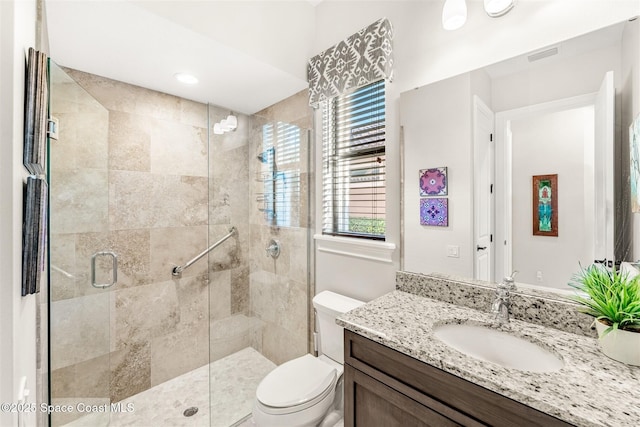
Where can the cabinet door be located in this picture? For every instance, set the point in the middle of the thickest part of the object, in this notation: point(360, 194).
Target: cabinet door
point(370, 403)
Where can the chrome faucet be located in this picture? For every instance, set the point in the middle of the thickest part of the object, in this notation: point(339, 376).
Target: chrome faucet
point(500, 305)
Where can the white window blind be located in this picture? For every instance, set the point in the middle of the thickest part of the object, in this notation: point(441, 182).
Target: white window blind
point(353, 172)
point(280, 174)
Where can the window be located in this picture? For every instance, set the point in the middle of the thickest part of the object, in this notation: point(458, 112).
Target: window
point(353, 171)
point(280, 174)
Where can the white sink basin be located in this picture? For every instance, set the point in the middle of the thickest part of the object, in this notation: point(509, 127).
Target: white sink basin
point(498, 347)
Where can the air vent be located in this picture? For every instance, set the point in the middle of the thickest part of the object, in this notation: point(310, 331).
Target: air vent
point(543, 54)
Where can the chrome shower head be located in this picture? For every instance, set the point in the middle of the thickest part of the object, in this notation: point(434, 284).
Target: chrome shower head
point(264, 156)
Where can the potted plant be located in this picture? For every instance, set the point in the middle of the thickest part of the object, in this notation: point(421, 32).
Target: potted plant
point(613, 298)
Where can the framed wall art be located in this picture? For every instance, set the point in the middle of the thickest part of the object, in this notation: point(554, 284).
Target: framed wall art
point(434, 211)
point(35, 112)
point(433, 182)
point(545, 205)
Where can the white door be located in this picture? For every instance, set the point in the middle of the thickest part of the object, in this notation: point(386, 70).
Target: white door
point(483, 149)
point(603, 171)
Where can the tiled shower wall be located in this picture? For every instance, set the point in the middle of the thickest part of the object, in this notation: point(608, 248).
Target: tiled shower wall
point(130, 175)
point(280, 289)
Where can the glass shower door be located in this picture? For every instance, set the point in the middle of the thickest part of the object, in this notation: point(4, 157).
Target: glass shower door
point(82, 263)
point(259, 300)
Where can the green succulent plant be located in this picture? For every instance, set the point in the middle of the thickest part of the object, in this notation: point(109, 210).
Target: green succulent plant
point(611, 296)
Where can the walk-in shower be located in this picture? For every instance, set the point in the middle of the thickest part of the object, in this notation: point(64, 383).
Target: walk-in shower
point(142, 175)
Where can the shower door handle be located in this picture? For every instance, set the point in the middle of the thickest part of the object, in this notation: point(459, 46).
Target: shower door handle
point(114, 262)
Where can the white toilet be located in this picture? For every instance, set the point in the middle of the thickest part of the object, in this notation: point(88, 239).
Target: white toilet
point(300, 392)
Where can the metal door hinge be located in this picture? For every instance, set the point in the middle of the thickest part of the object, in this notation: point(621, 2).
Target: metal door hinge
point(53, 125)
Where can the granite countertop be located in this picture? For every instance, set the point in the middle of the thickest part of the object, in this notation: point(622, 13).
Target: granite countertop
point(590, 390)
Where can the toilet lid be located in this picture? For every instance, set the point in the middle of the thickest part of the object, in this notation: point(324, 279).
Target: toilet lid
point(296, 382)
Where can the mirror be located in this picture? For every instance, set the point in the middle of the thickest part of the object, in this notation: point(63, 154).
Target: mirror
point(558, 114)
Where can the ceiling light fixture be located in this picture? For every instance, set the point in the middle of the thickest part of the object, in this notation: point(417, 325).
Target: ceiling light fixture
point(228, 124)
point(454, 14)
point(497, 8)
point(186, 78)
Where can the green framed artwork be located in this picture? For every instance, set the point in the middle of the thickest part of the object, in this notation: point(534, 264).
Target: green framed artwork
point(545, 205)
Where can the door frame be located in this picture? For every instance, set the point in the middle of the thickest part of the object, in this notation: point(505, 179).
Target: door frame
point(504, 233)
point(482, 112)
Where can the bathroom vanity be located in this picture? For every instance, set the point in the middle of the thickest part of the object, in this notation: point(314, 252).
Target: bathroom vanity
point(387, 388)
point(398, 373)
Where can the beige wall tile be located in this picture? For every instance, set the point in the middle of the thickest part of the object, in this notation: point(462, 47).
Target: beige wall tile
point(193, 298)
point(129, 142)
point(233, 333)
point(220, 294)
point(63, 265)
point(79, 323)
point(82, 141)
point(79, 200)
point(132, 248)
point(88, 379)
point(178, 149)
point(126, 98)
point(173, 246)
point(281, 345)
point(179, 352)
point(193, 113)
point(142, 200)
point(294, 110)
point(145, 312)
point(92, 139)
point(130, 370)
point(229, 189)
point(240, 290)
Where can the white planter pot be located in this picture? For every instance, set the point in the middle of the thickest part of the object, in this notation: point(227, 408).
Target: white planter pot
point(623, 346)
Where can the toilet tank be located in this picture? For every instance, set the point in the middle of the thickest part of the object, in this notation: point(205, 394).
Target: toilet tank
point(330, 305)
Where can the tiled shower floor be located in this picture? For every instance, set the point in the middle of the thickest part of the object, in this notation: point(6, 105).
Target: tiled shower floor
point(234, 380)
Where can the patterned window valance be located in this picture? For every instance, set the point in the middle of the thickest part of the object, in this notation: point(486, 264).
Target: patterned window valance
point(361, 59)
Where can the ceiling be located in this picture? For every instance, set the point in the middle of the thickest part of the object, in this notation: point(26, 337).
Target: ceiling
point(247, 55)
point(604, 37)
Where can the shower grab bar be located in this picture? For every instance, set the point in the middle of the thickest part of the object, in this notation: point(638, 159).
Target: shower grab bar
point(177, 271)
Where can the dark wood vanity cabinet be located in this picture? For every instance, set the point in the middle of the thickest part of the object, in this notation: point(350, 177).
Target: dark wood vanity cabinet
point(385, 388)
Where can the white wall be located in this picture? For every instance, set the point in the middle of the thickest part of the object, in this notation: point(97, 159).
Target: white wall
point(17, 314)
point(437, 132)
point(568, 77)
point(557, 143)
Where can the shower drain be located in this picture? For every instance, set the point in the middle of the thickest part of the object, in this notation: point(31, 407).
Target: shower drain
point(189, 412)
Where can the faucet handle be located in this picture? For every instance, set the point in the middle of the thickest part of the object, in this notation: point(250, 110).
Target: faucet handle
point(509, 282)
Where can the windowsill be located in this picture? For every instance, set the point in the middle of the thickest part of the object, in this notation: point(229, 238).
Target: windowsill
point(359, 248)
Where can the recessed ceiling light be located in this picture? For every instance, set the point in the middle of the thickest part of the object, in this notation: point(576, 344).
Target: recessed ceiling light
point(186, 78)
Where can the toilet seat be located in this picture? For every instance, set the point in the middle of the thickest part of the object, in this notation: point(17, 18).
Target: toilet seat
point(296, 385)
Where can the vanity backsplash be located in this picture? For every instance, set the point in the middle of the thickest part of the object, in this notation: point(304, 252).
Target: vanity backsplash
point(539, 307)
